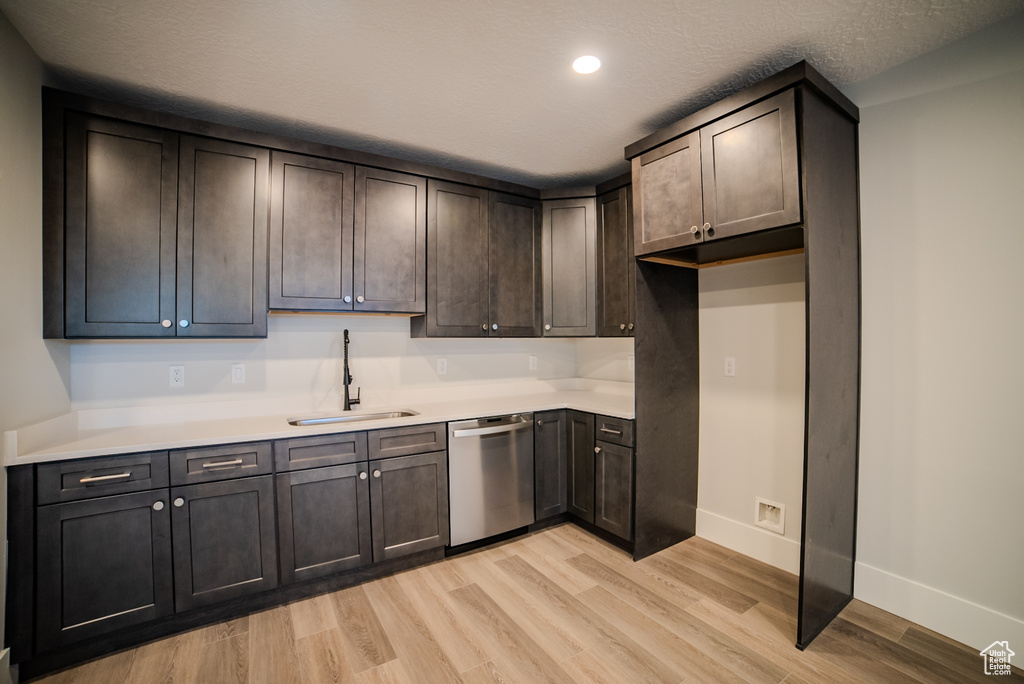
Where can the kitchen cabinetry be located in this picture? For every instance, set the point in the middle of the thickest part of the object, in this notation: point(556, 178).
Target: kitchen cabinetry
point(613, 489)
point(581, 465)
point(601, 472)
point(409, 504)
point(550, 458)
point(568, 245)
point(483, 274)
point(616, 267)
point(164, 234)
point(346, 238)
point(738, 174)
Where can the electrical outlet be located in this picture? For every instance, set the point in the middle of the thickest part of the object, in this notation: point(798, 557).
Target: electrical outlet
point(442, 366)
point(533, 362)
point(238, 373)
point(177, 376)
point(730, 367)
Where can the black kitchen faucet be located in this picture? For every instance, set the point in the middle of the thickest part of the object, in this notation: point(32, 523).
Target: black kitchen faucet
point(346, 378)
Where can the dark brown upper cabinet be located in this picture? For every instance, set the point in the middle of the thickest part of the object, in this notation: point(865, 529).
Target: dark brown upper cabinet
point(120, 226)
point(616, 267)
point(483, 273)
point(346, 238)
point(736, 175)
point(568, 245)
point(164, 234)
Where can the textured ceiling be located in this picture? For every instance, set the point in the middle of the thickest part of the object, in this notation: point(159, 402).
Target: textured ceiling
point(475, 85)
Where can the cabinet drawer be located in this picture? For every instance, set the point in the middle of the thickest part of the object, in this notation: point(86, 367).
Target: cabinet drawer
point(313, 452)
point(93, 477)
point(615, 430)
point(228, 462)
point(416, 439)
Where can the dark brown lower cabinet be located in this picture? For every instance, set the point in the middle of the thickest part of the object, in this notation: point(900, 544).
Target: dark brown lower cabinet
point(323, 521)
point(580, 456)
point(613, 489)
point(224, 540)
point(103, 564)
point(409, 504)
point(550, 456)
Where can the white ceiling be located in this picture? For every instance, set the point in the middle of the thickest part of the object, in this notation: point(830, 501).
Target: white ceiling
point(477, 85)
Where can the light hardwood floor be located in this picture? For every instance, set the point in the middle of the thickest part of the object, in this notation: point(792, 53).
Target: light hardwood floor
point(558, 605)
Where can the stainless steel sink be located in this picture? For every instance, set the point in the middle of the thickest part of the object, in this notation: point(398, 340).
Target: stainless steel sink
point(352, 417)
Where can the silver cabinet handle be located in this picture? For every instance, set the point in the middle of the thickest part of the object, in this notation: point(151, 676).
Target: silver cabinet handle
point(362, 476)
point(597, 450)
point(183, 323)
point(630, 326)
point(540, 422)
point(376, 473)
point(694, 229)
point(547, 326)
point(218, 464)
point(104, 478)
point(494, 326)
point(622, 326)
point(483, 327)
point(493, 430)
point(158, 506)
point(360, 299)
point(179, 502)
point(706, 226)
point(348, 299)
point(166, 323)
point(612, 432)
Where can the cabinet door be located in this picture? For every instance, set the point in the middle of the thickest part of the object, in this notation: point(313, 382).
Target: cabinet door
point(409, 504)
point(121, 202)
point(513, 261)
point(581, 465)
point(668, 212)
point(104, 564)
point(616, 267)
point(751, 169)
point(457, 250)
point(568, 244)
point(222, 238)
point(390, 252)
point(311, 233)
point(224, 540)
point(550, 453)
point(323, 521)
point(613, 489)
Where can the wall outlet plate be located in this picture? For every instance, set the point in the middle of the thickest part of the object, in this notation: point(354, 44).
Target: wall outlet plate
point(442, 366)
point(730, 367)
point(770, 515)
point(533, 362)
point(238, 373)
point(177, 376)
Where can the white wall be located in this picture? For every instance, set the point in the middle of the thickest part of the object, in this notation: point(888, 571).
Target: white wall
point(751, 424)
point(605, 358)
point(33, 373)
point(941, 517)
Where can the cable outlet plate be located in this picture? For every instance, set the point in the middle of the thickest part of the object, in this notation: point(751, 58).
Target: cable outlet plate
point(770, 515)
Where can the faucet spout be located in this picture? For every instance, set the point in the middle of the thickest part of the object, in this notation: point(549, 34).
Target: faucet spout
point(346, 378)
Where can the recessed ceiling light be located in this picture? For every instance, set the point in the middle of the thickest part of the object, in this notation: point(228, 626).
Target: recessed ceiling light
point(587, 64)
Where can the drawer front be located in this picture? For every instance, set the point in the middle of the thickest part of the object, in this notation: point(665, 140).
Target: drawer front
point(313, 452)
point(93, 477)
point(417, 439)
point(615, 430)
point(209, 464)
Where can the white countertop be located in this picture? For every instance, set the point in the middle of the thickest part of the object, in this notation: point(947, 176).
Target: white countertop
point(77, 435)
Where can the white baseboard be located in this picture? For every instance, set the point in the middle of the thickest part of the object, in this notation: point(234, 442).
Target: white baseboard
point(755, 542)
point(952, 616)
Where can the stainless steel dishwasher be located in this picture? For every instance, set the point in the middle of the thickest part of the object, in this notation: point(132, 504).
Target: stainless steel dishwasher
point(490, 476)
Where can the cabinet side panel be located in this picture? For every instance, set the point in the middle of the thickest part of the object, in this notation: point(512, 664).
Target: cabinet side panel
point(832, 234)
point(667, 406)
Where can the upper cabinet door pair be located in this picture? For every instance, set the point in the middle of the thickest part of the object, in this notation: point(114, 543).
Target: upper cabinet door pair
point(346, 238)
point(737, 175)
point(165, 233)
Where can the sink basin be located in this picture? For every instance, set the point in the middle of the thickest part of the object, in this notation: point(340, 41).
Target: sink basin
point(351, 417)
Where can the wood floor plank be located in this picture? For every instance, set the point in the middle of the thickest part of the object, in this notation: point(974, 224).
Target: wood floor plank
point(408, 633)
point(663, 602)
point(368, 644)
point(391, 672)
point(273, 658)
point(459, 642)
point(764, 587)
point(566, 576)
point(169, 661)
point(111, 668)
point(227, 629)
point(529, 661)
point(957, 657)
point(324, 658)
point(715, 553)
point(882, 623)
point(619, 647)
point(225, 661)
point(701, 583)
point(312, 615)
point(846, 654)
point(491, 672)
point(593, 667)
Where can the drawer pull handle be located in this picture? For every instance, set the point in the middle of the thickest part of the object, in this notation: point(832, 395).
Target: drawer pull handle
point(612, 432)
point(104, 478)
point(218, 464)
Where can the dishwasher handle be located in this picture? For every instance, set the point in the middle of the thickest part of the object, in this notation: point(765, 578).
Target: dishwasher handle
point(494, 430)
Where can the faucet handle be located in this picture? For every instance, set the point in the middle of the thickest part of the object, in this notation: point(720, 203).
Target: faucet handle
point(355, 401)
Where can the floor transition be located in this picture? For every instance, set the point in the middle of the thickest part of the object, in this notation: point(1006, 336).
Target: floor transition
point(555, 606)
